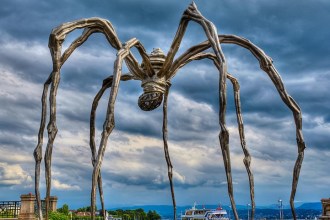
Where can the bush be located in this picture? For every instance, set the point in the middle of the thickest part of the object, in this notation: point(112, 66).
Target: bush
point(57, 216)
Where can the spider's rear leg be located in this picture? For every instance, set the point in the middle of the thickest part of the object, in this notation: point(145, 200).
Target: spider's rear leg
point(38, 150)
point(266, 65)
point(106, 84)
point(92, 142)
point(196, 54)
point(55, 49)
point(167, 154)
point(55, 46)
point(109, 123)
point(247, 157)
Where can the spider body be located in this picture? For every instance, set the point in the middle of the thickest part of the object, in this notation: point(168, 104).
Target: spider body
point(153, 86)
point(155, 73)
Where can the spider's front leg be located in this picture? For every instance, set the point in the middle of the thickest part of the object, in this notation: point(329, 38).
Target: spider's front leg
point(58, 35)
point(94, 25)
point(192, 14)
point(266, 64)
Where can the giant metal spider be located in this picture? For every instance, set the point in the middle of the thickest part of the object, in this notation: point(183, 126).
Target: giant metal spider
point(155, 74)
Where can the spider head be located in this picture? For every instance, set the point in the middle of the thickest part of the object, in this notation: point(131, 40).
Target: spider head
point(154, 86)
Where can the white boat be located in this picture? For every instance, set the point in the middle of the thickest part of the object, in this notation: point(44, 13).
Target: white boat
point(204, 214)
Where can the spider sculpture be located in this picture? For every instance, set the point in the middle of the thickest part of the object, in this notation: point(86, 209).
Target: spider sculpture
point(155, 73)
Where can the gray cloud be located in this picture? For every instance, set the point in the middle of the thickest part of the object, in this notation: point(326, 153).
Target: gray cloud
point(292, 33)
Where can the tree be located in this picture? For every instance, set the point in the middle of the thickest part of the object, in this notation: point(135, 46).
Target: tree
point(64, 209)
point(126, 217)
point(138, 214)
point(153, 215)
point(85, 209)
point(111, 212)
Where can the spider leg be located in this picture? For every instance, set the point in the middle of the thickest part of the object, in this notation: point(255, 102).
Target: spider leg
point(109, 123)
point(106, 84)
point(38, 150)
point(130, 60)
point(236, 88)
point(266, 64)
point(92, 141)
point(94, 25)
point(247, 156)
point(167, 154)
point(51, 127)
point(193, 14)
point(56, 39)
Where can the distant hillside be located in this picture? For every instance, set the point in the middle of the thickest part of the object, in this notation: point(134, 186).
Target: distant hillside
point(166, 211)
point(311, 206)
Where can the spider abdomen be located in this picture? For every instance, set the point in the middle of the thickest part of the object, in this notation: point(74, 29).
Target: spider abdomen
point(150, 100)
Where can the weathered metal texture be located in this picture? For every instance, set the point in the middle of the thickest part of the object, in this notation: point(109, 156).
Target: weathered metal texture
point(155, 74)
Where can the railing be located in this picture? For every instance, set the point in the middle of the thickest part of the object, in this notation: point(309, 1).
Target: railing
point(43, 208)
point(10, 209)
point(24, 209)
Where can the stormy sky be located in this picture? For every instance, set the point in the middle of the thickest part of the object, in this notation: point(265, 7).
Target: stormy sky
point(294, 33)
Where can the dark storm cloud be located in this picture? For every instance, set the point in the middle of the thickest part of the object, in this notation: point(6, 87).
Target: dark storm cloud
point(263, 24)
point(318, 140)
point(313, 94)
point(76, 172)
point(203, 82)
point(13, 141)
point(124, 16)
point(265, 13)
point(149, 181)
point(153, 172)
point(26, 59)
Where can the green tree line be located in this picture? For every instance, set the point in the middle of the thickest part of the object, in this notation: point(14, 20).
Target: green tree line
point(137, 214)
point(63, 213)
